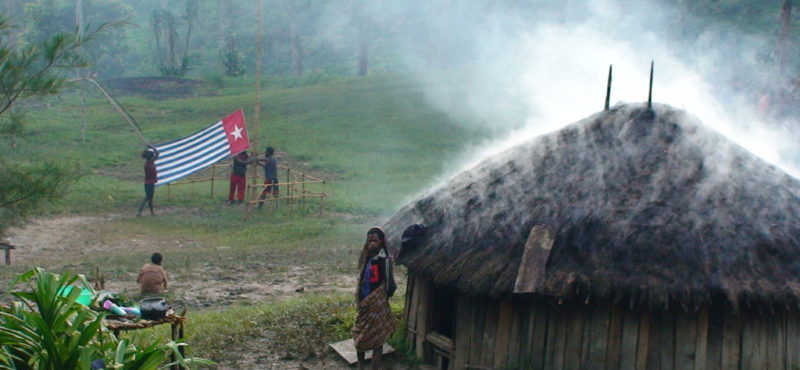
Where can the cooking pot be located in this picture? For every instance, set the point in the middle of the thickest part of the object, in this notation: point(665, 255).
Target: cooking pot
point(153, 308)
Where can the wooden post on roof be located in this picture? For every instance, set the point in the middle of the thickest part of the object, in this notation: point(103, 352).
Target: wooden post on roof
point(650, 91)
point(608, 88)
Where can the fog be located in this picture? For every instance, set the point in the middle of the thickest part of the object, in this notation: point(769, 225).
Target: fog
point(521, 71)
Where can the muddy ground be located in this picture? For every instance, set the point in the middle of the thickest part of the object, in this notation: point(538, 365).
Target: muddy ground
point(67, 242)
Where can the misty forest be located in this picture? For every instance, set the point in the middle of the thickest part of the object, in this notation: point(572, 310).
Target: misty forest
point(413, 184)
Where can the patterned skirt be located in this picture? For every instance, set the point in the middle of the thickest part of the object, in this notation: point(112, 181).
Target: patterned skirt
point(374, 322)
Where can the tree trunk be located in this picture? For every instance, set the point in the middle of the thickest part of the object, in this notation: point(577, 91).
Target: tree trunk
point(79, 17)
point(363, 40)
point(786, 21)
point(297, 55)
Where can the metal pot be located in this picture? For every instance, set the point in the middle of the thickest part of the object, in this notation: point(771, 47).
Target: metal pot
point(153, 308)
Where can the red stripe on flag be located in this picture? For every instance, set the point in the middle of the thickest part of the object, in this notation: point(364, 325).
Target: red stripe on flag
point(236, 132)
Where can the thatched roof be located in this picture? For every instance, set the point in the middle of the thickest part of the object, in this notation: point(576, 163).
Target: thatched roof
point(627, 206)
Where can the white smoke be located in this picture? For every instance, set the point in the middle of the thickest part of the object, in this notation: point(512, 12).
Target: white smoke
point(529, 77)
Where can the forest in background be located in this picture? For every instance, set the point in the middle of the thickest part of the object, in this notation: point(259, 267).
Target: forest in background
point(212, 38)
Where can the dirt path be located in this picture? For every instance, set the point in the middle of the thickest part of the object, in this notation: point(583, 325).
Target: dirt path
point(66, 241)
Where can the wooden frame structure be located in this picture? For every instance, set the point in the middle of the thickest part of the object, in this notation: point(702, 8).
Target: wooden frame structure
point(534, 332)
point(296, 188)
point(7, 251)
point(176, 323)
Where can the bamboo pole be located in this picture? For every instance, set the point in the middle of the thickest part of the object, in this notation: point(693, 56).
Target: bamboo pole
point(213, 167)
point(257, 105)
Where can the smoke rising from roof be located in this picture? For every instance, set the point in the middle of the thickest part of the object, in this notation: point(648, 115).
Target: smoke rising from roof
point(527, 68)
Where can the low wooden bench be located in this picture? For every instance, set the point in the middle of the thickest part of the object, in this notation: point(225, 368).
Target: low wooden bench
point(7, 249)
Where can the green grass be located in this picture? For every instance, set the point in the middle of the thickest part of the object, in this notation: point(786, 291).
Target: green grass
point(299, 328)
point(375, 139)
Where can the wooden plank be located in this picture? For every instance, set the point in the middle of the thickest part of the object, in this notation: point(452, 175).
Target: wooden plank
point(716, 319)
point(463, 331)
point(562, 322)
point(574, 343)
point(685, 339)
point(413, 312)
point(601, 320)
point(528, 310)
point(409, 297)
point(752, 344)
point(476, 339)
point(731, 341)
point(423, 306)
point(503, 335)
point(490, 332)
point(792, 342)
point(586, 338)
point(666, 337)
point(701, 341)
point(775, 350)
point(614, 352)
point(539, 337)
point(630, 336)
point(515, 337)
point(643, 343)
point(441, 343)
point(550, 340)
point(536, 252)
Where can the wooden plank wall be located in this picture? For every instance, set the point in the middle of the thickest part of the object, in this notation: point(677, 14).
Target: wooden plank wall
point(533, 334)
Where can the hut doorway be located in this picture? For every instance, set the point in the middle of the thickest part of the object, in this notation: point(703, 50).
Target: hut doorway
point(442, 326)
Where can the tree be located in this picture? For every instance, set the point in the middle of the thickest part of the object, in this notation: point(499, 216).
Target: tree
point(362, 34)
point(45, 18)
point(167, 40)
point(229, 55)
point(28, 72)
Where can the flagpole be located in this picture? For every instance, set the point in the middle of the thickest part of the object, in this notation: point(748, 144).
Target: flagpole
point(257, 107)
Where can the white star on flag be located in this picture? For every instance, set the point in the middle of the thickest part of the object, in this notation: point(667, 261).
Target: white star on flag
point(237, 132)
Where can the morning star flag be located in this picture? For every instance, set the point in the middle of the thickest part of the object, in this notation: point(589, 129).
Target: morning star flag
point(183, 157)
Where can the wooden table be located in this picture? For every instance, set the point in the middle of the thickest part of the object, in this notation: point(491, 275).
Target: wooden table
point(116, 325)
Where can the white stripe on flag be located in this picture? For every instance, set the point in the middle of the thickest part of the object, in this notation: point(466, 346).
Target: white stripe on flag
point(183, 157)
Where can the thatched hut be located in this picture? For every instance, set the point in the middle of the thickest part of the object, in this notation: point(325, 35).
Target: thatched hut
point(631, 239)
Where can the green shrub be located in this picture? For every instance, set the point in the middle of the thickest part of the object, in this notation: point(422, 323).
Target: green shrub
point(44, 330)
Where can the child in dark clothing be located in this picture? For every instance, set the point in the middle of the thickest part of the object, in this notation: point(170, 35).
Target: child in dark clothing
point(150, 178)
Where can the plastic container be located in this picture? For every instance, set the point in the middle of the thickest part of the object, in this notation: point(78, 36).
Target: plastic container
point(108, 305)
point(85, 297)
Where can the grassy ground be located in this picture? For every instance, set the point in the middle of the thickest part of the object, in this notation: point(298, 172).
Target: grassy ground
point(375, 139)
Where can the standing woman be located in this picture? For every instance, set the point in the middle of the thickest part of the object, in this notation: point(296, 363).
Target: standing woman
point(374, 322)
point(150, 177)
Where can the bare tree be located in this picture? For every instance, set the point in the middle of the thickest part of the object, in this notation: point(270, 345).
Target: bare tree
point(362, 35)
point(294, 35)
point(783, 40)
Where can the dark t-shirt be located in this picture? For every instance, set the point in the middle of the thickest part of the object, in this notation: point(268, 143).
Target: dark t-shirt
point(240, 165)
point(150, 174)
point(271, 169)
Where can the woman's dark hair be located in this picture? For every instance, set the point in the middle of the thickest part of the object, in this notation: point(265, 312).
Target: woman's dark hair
point(148, 154)
point(377, 231)
point(270, 151)
point(156, 258)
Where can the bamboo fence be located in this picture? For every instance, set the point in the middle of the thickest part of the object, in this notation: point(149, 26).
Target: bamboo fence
point(297, 189)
